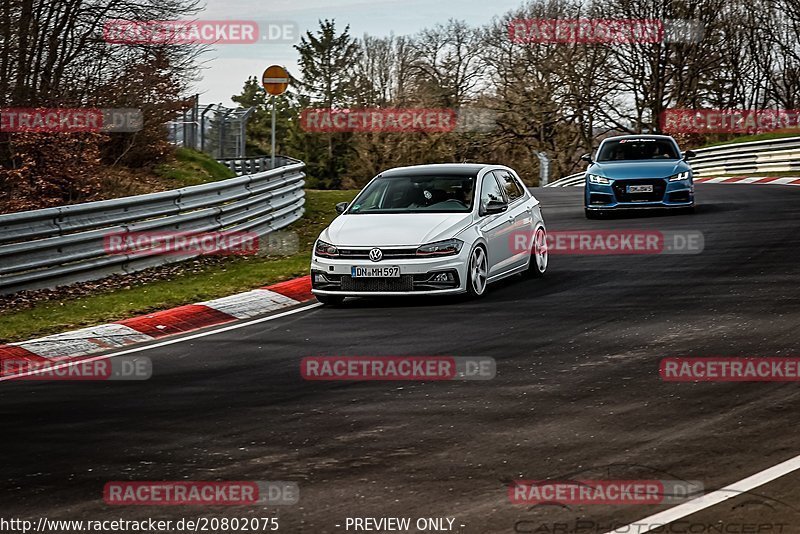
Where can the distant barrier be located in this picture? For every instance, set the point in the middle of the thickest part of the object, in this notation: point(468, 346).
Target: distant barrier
point(63, 245)
point(254, 165)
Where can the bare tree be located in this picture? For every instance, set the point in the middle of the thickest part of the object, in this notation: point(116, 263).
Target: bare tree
point(447, 65)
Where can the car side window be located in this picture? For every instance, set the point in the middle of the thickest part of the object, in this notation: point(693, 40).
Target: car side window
point(490, 190)
point(510, 185)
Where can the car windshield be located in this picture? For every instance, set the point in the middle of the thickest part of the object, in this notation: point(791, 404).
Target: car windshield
point(412, 194)
point(637, 149)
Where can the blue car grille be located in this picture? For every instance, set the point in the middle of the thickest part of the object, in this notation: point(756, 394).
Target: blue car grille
point(620, 188)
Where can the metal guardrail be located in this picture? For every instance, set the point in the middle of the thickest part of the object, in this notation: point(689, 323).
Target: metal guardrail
point(772, 155)
point(63, 245)
point(253, 165)
point(568, 181)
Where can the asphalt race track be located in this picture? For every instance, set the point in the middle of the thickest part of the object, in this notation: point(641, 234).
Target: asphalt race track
point(577, 393)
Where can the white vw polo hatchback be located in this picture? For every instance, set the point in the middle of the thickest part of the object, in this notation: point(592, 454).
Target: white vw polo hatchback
point(430, 229)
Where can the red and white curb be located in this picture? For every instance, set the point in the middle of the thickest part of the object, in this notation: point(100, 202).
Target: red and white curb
point(182, 319)
point(758, 180)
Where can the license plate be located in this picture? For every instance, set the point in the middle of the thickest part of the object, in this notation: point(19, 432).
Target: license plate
point(385, 271)
point(640, 189)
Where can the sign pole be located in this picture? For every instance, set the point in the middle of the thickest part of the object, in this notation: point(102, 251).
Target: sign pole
point(544, 168)
point(273, 132)
point(275, 80)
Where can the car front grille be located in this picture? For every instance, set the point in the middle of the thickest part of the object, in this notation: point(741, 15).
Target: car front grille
point(404, 282)
point(620, 190)
point(388, 253)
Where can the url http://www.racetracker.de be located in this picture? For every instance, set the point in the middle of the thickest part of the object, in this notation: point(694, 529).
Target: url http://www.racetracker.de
point(143, 526)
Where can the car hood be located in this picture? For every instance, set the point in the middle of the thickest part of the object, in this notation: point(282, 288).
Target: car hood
point(390, 229)
point(621, 170)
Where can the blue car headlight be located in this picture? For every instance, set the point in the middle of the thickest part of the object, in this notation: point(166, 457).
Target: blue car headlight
point(680, 176)
point(601, 180)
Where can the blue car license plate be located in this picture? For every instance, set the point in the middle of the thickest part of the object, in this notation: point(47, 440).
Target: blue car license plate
point(640, 189)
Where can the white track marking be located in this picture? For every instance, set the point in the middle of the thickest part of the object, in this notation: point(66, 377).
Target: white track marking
point(84, 341)
point(785, 180)
point(251, 303)
point(648, 524)
point(164, 343)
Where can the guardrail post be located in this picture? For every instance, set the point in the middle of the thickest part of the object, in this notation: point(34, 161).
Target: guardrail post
point(243, 133)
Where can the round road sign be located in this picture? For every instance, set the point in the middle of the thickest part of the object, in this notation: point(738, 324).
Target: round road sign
point(275, 80)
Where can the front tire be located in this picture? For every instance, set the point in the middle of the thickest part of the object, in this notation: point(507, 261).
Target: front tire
point(330, 300)
point(477, 272)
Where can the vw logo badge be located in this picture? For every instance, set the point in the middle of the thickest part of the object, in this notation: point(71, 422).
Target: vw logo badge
point(375, 254)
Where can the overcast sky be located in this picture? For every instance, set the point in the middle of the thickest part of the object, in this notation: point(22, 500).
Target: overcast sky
point(228, 66)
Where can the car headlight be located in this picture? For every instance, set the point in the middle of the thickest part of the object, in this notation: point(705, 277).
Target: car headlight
point(326, 250)
point(448, 247)
point(595, 179)
point(680, 176)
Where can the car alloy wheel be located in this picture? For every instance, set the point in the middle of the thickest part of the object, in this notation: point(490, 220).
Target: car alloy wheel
point(540, 255)
point(478, 270)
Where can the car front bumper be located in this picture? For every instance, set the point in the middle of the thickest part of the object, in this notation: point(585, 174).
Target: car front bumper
point(418, 276)
point(666, 194)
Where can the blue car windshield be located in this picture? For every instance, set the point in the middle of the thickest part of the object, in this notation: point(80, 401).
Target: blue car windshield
point(637, 149)
point(412, 194)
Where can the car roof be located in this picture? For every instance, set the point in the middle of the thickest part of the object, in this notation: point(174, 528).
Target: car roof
point(639, 136)
point(453, 169)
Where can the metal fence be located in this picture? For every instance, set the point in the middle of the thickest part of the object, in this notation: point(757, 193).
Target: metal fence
point(772, 155)
point(212, 128)
point(56, 246)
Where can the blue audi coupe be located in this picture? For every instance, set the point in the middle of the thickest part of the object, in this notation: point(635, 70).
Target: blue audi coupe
point(638, 172)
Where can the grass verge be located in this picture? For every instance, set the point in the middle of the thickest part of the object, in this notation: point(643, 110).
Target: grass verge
point(190, 167)
point(232, 276)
